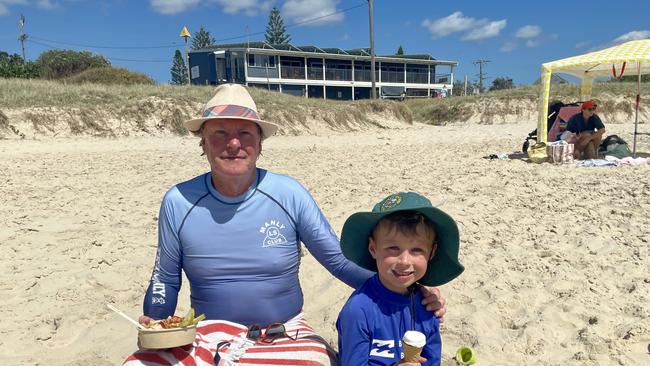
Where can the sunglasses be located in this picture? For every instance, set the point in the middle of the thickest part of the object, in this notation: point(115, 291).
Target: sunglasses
point(270, 333)
point(591, 109)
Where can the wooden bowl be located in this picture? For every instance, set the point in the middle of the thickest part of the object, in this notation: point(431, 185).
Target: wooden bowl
point(166, 338)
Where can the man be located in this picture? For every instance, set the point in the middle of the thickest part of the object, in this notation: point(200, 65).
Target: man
point(236, 233)
point(588, 130)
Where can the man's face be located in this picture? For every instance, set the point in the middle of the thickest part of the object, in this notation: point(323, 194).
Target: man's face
point(232, 146)
point(588, 112)
point(401, 259)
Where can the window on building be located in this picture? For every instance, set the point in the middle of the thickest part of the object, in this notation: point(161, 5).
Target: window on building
point(261, 60)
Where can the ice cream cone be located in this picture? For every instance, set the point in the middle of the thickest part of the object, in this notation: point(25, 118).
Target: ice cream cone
point(411, 354)
point(412, 343)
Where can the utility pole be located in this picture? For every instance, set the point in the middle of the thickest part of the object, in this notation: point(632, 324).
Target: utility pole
point(481, 76)
point(186, 34)
point(373, 91)
point(465, 91)
point(23, 36)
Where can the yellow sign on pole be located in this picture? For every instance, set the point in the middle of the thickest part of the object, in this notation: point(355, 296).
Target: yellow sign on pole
point(185, 33)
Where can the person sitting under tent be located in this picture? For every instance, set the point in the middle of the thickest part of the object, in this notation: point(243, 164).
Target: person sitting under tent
point(588, 130)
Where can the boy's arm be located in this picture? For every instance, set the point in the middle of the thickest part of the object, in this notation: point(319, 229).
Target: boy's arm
point(354, 336)
point(433, 348)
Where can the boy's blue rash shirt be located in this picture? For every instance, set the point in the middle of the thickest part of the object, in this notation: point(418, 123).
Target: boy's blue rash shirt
point(241, 255)
point(373, 321)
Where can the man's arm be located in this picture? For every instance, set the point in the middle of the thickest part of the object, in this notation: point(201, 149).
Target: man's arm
point(162, 294)
point(318, 236)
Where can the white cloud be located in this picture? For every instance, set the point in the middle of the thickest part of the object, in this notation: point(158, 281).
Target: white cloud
point(583, 44)
point(45, 4)
point(345, 37)
point(632, 36)
point(248, 7)
point(170, 7)
point(528, 31)
point(489, 30)
point(456, 22)
point(317, 10)
point(532, 43)
point(5, 4)
point(508, 47)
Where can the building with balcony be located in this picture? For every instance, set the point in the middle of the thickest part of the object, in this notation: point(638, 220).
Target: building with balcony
point(314, 72)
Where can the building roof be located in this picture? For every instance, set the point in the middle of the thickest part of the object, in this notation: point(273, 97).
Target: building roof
point(314, 49)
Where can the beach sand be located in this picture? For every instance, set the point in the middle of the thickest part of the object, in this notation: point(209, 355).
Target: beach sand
point(557, 265)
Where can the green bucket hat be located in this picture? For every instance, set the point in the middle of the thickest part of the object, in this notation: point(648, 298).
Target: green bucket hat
point(442, 268)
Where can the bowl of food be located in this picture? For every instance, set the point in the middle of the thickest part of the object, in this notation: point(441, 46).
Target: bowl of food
point(172, 332)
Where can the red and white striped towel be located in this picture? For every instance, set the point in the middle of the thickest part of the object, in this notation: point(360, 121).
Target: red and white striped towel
point(308, 350)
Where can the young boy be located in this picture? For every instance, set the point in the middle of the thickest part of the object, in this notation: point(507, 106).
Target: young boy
point(407, 242)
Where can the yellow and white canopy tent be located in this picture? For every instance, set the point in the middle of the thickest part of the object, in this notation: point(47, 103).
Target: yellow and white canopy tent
point(633, 57)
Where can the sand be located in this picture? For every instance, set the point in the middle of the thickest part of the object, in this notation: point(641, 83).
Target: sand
point(558, 271)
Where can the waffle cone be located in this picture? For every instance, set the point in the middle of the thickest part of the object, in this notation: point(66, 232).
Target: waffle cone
point(411, 354)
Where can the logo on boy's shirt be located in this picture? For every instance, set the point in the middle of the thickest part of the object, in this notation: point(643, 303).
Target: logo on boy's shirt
point(273, 235)
point(382, 348)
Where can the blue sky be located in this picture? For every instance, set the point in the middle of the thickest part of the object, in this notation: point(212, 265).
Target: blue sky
point(516, 36)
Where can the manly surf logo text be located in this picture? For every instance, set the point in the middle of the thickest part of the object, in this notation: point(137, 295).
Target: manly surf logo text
point(273, 234)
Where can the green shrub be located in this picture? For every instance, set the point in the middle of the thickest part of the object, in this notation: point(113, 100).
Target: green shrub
point(58, 64)
point(110, 76)
point(13, 66)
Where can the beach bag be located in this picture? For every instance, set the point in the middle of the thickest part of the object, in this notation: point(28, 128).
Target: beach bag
point(560, 153)
point(614, 146)
point(537, 153)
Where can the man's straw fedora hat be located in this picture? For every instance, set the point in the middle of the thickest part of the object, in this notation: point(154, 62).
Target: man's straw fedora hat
point(231, 101)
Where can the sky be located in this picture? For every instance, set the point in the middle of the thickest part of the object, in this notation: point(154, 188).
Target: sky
point(516, 37)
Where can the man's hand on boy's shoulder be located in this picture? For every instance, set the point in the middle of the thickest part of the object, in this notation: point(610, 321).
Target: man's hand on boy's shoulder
point(433, 301)
point(404, 363)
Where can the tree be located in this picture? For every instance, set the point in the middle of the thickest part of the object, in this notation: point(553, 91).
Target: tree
point(400, 51)
point(179, 71)
point(502, 83)
point(276, 33)
point(459, 88)
point(58, 64)
point(13, 66)
point(202, 39)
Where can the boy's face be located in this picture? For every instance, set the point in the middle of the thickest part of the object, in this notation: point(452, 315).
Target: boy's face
point(401, 259)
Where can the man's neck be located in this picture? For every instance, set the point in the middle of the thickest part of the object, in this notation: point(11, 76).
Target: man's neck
point(233, 186)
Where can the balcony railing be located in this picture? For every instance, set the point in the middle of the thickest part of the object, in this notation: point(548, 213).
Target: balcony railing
point(416, 78)
point(315, 73)
point(364, 75)
point(338, 74)
point(440, 78)
point(292, 72)
point(392, 76)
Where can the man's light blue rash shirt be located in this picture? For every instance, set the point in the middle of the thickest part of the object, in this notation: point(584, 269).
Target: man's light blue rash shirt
point(241, 254)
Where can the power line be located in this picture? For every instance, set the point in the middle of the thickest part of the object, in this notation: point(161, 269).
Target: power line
point(109, 58)
point(107, 47)
point(310, 20)
point(176, 45)
point(36, 39)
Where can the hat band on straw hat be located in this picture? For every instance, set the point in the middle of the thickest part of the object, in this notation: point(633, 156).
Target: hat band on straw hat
point(230, 110)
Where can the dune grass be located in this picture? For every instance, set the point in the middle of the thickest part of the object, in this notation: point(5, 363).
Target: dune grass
point(446, 110)
point(89, 102)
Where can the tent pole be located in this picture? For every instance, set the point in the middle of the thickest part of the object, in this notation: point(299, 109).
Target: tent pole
point(638, 100)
